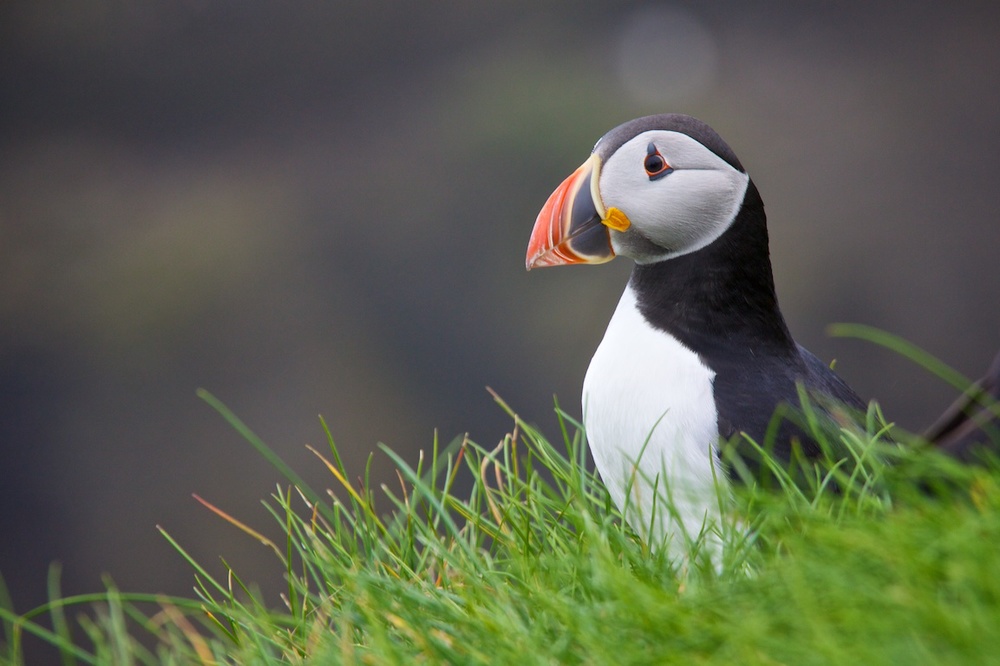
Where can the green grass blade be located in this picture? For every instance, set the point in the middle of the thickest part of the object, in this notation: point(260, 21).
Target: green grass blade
point(904, 348)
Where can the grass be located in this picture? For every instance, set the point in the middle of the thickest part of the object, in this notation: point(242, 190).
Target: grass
point(534, 565)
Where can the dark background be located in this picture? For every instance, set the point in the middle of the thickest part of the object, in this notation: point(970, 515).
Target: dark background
point(322, 208)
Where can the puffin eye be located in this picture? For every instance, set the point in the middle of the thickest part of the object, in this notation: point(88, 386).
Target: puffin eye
point(655, 165)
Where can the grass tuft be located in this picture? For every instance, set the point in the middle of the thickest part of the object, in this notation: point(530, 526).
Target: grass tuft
point(879, 553)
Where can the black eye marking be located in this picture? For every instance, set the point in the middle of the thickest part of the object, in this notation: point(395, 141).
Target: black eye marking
point(655, 165)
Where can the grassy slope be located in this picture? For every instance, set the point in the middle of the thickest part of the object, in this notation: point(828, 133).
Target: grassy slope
point(535, 566)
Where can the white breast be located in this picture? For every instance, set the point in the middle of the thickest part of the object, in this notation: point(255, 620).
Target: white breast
point(651, 421)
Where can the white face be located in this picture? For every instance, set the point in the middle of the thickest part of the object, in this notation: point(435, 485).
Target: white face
point(673, 213)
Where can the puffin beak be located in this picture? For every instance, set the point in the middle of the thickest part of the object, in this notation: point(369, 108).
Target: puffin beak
point(573, 226)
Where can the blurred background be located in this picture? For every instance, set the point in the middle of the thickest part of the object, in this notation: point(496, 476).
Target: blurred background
point(322, 208)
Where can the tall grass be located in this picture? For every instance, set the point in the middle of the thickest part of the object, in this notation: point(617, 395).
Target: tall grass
point(880, 554)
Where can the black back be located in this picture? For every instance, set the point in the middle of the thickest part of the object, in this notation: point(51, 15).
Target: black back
point(720, 302)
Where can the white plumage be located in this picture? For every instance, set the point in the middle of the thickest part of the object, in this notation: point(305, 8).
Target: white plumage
point(647, 399)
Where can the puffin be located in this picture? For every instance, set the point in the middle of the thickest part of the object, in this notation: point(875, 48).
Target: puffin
point(697, 352)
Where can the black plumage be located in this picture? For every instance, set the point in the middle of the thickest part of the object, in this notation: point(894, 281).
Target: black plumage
point(720, 302)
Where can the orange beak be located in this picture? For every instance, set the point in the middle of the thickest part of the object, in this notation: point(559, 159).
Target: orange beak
point(573, 226)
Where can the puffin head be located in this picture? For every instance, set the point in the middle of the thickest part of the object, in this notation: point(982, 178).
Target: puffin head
point(653, 188)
